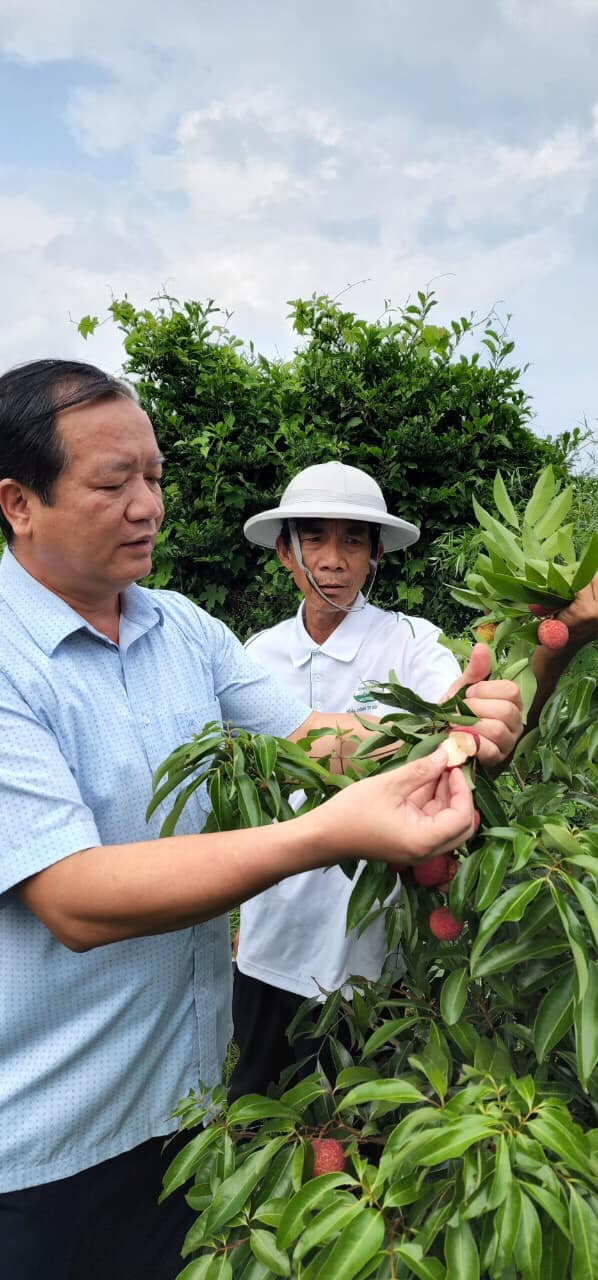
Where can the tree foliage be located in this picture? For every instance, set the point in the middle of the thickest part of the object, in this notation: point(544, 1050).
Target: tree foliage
point(398, 397)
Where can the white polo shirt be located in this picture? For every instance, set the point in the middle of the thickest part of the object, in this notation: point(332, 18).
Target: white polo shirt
point(293, 935)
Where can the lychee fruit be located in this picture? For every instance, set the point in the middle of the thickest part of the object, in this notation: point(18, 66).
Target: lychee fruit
point(460, 745)
point(486, 632)
point(329, 1156)
point(540, 610)
point(444, 926)
point(451, 871)
point(431, 871)
point(553, 634)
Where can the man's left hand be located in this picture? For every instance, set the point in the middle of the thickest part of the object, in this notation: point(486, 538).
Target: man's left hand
point(498, 705)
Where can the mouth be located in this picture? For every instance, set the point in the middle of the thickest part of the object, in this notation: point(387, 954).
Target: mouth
point(333, 587)
point(140, 544)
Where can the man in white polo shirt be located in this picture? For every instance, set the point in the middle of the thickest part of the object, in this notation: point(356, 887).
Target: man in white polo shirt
point(329, 531)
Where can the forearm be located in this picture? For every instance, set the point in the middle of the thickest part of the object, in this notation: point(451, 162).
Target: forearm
point(114, 892)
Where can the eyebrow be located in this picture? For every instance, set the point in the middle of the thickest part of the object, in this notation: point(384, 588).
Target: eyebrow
point(127, 464)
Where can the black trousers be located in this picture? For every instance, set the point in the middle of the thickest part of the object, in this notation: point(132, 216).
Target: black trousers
point(102, 1224)
point(261, 1015)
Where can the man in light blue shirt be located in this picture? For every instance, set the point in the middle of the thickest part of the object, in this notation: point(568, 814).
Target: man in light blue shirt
point(114, 954)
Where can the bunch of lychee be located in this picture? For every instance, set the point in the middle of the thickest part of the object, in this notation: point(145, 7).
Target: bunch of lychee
point(552, 633)
point(437, 871)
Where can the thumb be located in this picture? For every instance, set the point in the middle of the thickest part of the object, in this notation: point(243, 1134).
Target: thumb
point(478, 667)
point(410, 777)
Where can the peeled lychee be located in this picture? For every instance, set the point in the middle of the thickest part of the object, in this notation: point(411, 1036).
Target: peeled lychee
point(540, 610)
point(486, 631)
point(431, 871)
point(460, 745)
point(444, 926)
point(329, 1156)
point(553, 634)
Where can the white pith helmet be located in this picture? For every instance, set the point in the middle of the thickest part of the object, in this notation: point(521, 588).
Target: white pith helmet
point(331, 491)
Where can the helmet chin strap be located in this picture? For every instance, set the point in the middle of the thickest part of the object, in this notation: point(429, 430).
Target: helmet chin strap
point(342, 608)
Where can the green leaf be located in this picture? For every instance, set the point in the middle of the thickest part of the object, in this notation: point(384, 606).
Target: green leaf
point(188, 1160)
point(555, 514)
point(554, 1016)
point(249, 804)
point(454, 995)
point(264, 1248)
point(363, 896)
point(423, 1268)
point(452, 1140)
point(587, 566)
point(528, 1244)
point(495, 535)
point(586, 1028)
point(562, 1136)
point(488, 802)
point(510, 906)
point(503, 502)
point(359, 1241)
point(493, 868)
point(461, 1253)
point(233, 1193)
point(310, 1195)
point(327, 1224)
point(388, 1030)
point(551, 1205)
point(253, 1106)
point(588, 904)
point(396, 1092)
point(506, 1225)
point(584, 1234)
point(196, 1270)
point(264, 750)
point(541, 497)
point(220, 1268)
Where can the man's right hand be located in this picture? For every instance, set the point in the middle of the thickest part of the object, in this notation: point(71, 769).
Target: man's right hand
point(400, 816)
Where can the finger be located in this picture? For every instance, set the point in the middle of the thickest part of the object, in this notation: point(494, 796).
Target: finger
point(453, 824)
point(491, 710)
point(477, 668)
point(499, 690)
point(421, 773)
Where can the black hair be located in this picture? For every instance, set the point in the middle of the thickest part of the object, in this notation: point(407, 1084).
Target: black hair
point(374, 531)
point(31, 397)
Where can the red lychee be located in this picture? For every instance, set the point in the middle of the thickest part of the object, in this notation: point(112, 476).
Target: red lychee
point(452, 868)
point(431, 871)
point(553, 634)
point(460, 745)
point(329, 1156)
point(444, 926)
point(540, 610)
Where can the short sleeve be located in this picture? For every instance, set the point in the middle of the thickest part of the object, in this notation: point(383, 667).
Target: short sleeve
point(432, 668)
point(249, 695)
point(43, 817)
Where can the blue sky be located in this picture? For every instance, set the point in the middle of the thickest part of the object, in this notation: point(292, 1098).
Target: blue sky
point(254, 153)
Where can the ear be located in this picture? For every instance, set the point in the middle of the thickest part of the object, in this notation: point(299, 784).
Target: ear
point(15, 504)
point(285, 555)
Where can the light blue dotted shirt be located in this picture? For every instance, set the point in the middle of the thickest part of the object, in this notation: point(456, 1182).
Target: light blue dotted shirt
point(96, 1049)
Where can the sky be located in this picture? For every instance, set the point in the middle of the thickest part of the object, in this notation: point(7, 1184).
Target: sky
point(254, 153)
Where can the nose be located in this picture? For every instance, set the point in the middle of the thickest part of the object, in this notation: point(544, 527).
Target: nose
point(332, 553)
point(145, 502)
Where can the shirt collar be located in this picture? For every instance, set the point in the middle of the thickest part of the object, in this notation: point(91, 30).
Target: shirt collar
point(49, 619)
point(344, 642)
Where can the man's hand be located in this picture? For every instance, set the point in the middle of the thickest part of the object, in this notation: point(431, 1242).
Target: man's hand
point(581, 616)
point(498, 705)
point(399, 816)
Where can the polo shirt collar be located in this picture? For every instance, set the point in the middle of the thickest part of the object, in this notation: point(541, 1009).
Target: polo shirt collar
point(49, 619)
point(343, 644)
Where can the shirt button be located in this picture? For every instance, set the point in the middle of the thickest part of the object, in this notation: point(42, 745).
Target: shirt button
point(145, 720)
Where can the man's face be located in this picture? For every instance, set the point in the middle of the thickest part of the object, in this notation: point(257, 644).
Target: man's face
point(337, 554)
point(98, 535)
